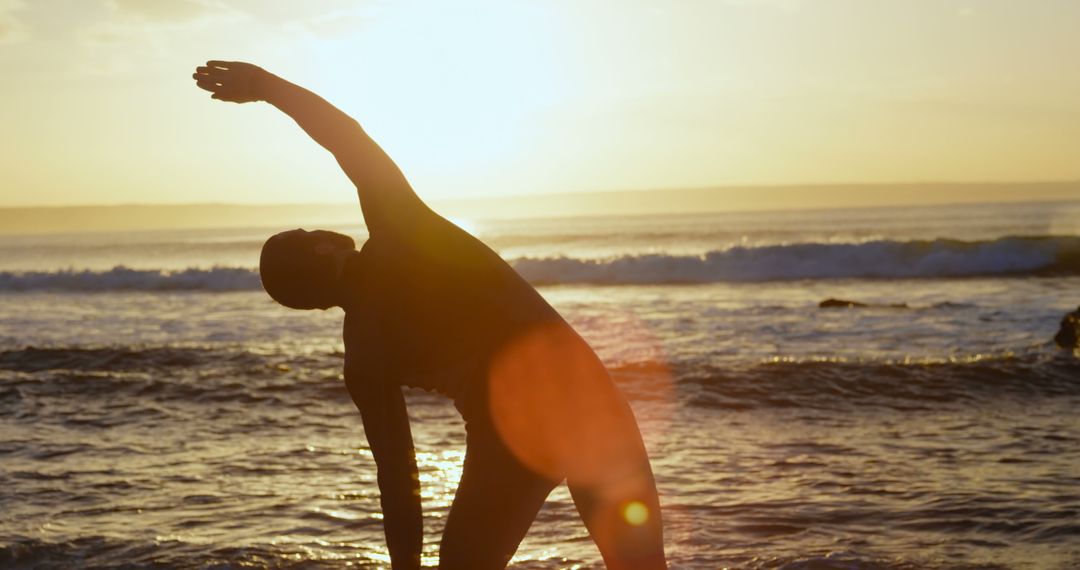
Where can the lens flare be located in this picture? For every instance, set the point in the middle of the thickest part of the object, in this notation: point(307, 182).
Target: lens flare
point(636, 513)
point(557, 410)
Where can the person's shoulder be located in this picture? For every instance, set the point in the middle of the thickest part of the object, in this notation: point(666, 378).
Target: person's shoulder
point(382, 253)
point(372, 251)
point(366, 268)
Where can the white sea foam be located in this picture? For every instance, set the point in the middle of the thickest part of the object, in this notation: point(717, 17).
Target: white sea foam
point(882, 259)
point(122, 278)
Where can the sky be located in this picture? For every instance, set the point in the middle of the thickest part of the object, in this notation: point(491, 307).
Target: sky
point(478, 98)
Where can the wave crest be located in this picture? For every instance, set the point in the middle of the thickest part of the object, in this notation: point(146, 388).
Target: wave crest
point(882, 259)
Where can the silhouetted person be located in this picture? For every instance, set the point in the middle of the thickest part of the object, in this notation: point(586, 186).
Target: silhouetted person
point(428, 305)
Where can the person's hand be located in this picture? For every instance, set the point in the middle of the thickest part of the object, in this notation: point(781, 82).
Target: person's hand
point(233, 81)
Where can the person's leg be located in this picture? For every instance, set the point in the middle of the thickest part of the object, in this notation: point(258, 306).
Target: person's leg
point(622, 514)
point(495, 504)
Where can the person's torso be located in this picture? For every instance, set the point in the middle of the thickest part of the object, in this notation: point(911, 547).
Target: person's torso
point(441, 307)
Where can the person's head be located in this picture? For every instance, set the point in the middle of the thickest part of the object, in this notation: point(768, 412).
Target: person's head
point(302, 269)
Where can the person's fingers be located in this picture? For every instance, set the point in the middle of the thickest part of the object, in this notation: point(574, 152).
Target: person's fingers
point(220, 64)
point(212, 71)
point(207, 78)
point(208, 85)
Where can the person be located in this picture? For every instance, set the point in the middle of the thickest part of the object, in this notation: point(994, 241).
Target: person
point(427, 305)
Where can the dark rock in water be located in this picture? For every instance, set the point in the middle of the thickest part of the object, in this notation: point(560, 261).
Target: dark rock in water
point(840, 304)
point(1068, 336)
point(831, 303)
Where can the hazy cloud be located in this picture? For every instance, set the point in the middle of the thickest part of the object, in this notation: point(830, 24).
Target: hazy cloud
point(138, 32)
point(163, 10)
point(327, 18)
point(334, 23)
point(143, 21)
point(783, 5)
point(12, 28)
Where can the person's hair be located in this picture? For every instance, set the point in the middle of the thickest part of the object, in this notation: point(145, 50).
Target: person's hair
point(295, 274)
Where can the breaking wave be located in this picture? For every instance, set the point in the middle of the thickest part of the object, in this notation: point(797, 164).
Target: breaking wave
point(122, 278)
point(882, 259)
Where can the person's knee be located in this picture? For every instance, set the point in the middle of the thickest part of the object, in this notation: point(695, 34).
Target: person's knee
point(624, 519)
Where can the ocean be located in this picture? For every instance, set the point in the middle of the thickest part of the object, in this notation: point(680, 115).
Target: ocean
point(158, 410)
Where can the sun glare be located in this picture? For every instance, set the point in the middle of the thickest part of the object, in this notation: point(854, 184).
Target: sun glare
point(448, 88)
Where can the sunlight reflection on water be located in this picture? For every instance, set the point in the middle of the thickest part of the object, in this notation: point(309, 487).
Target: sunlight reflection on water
point(440, 472)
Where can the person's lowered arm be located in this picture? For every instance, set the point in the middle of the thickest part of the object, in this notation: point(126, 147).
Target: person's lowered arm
point(386, 426)
point(386, 198)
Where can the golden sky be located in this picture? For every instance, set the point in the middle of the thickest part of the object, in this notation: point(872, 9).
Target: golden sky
point(497, 97)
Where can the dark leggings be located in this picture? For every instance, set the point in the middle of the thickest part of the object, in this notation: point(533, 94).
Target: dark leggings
point(498, 498)
point(496, 502)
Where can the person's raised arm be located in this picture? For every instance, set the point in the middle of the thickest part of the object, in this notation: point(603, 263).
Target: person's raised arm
point(386, 198)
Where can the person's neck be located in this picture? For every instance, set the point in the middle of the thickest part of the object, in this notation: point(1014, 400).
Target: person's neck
point(340, 258)
point(341, 261)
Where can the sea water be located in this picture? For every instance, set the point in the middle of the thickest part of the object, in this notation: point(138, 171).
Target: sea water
point(157, 409)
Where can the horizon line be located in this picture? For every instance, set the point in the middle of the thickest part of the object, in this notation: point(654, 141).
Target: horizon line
point(766, 186)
